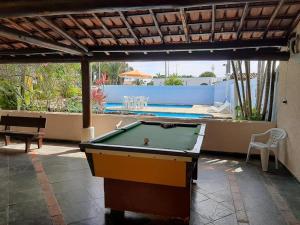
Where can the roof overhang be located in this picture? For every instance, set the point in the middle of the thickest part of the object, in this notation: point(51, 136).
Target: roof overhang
point(73, 30)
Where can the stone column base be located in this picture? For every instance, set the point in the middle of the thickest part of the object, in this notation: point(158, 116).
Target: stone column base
point(87, 134)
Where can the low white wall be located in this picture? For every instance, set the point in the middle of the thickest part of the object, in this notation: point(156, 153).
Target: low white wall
point(221, 135)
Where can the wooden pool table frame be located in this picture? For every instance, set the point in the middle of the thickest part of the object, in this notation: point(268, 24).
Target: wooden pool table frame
point(149, 194)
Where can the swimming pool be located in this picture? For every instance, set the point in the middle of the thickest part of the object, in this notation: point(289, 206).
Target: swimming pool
point(150, 105)
point(164, 114)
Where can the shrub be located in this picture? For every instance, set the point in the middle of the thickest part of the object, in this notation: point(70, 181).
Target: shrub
point(98, 99)
point(8, 96)
point(207, 74)
point(173, 80)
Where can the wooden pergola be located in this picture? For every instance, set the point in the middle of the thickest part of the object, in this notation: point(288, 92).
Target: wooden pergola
point(91, 30)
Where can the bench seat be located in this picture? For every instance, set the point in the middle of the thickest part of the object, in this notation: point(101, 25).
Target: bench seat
point(27, 136)
point(22, 133)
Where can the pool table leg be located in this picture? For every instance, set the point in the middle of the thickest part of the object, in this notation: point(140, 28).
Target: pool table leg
point(195, 170)
point(186, 221)
point(117, 215)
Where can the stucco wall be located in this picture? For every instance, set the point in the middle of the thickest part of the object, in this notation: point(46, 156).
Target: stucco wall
point(288, 115)
point(179, 95)
point(221, 135)
point(222, 91)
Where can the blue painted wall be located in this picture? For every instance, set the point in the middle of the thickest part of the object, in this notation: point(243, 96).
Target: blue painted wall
point(222, 91)
point(180, 95)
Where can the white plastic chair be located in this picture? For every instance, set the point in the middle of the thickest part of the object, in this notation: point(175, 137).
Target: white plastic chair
point(126, 102)
point(139, 102)
point(275, 136)
point(135, 102)
point(131, 102)
point(146, 99)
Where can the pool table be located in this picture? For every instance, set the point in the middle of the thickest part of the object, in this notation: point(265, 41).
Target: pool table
point(147, 167)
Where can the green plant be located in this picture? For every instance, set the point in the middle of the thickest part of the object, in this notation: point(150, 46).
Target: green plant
point(73, 105)
point(173, 80)
point(207, 74)
point(112, 69)
point(8, 96)
point(72, 91)
point(98, 99)
point(255, 115)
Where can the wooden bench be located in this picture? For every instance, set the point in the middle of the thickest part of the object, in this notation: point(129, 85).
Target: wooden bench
point(27, 136)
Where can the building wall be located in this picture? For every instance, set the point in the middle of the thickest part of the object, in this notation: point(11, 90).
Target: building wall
point(222, 91)
point(288, 115)
point(179, 95)
point(221, 135)
point(189, 81)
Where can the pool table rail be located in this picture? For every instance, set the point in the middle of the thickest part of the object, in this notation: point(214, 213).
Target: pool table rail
point(194, 153)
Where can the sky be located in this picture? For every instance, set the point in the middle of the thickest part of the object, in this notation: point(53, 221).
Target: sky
point(194, 68)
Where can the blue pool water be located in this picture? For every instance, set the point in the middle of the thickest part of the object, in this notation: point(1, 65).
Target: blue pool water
point(150, 105)
point(166, 114)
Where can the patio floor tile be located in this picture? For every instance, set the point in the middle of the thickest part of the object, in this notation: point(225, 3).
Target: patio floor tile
point(227, 192)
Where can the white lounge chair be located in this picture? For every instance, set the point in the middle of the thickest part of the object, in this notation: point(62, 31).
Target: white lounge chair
point(225, 108)
point(275, 136)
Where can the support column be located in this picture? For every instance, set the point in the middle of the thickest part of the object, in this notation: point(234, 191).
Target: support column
point(87, 129)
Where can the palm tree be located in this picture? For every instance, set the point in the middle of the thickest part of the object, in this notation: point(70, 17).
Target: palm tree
point(242, 85)
point(267, 90)
point(237, 88)
point(248, 86)
point(113, 69)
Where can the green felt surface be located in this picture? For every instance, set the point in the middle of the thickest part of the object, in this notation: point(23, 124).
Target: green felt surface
point(179, 138)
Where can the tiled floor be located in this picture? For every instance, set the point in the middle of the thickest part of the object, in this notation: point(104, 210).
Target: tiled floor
point(228, 191)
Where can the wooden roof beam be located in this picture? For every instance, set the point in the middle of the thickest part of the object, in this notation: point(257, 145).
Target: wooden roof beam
point(244, 15)
point(243, 54)
point(17, 26)
point(24, 37)
point(37, 29)
point(62, 33)
point(213, 19)
point(156, 25)
point(184, 25)
point(99, 20)
point(271, 54)
point(205, 46)
point(30, 52)
point(11, 45)
point(253, 18)
point(273, 17)
point(32, 8)
point(82, 29)
point(294, 24)
point(128, 26)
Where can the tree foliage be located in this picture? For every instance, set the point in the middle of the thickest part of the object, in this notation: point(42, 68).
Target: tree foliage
point(112, 69)
point(51, 86)
point(207, 74)
point(37, 86)
point(173, 80)
point(266, 77)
